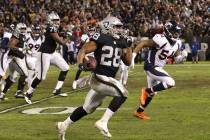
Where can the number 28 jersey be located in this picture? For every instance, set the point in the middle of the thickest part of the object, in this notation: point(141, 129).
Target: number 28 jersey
point(108, 53)
point(158, 56)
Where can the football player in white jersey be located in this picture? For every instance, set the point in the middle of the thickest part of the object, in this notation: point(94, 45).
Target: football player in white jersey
point(4, 50)
point(16, 44)
point(32, 44)
point(161, 46)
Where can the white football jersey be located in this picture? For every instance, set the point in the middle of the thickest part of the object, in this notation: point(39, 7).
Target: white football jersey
point(158, 56)
point(32, 44)
point(7, 35)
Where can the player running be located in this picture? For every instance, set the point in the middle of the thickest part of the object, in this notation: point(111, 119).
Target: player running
point(48, 55)
point(108, 49)
point(161, 46)
point(16, 44)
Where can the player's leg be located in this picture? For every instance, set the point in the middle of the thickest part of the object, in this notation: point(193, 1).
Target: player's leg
point(58, 61)
point(21, 68)
point(92, 101)
point(74, 84)
point(140, 111)
point(10, 80)
point(166, 82)
point(3, 67)
point(31, 65)
point(42, 65)
point(111, 87)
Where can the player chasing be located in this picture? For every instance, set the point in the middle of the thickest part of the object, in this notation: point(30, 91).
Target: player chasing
point(109, 49)
point(15, 51)
point(47, 56)
point(25, 67)
point(161, 47)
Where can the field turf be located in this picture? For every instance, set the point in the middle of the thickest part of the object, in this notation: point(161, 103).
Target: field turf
point(180, 113)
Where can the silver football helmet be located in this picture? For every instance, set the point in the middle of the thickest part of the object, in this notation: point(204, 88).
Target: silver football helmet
point(111, 25)
point(53, 19)
point(21, 28)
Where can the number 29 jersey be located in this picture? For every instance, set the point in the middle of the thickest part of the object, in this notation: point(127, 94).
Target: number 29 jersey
point(158, 56)
point(108, 53)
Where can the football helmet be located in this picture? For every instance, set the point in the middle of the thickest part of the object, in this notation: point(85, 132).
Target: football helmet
point(111, 25)
point(172, 30)
point(91, 30)
point(36, 31)
point(21, 28)
point(28, 30)
point(53, 20)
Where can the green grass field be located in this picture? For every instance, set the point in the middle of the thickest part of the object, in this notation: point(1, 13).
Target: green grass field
point(180, 113)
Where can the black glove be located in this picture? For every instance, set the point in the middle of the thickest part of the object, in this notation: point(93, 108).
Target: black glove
point(83, 66)
point(16, 53)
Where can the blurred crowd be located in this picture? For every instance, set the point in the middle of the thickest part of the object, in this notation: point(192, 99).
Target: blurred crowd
point(138, 15)
point(141, 17)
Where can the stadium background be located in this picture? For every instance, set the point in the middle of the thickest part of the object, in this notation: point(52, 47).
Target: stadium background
point(141, 17)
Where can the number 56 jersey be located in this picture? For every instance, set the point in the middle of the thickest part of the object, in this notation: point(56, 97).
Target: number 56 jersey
point(158, 56)
point(108, 53)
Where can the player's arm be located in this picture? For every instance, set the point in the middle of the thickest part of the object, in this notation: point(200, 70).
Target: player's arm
point(13, 47)
point(144, 43)
point(127, 56)
point(140, 46)
point(58, 39)
point(13, 43)
point(87, 48)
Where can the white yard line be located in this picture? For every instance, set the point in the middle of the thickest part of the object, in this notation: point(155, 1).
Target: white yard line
point(38, 101)
point(179, 65)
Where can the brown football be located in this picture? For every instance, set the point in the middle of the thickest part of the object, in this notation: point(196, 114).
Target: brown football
point(91, 61)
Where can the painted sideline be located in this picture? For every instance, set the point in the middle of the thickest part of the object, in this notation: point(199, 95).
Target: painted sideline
point(38, 101)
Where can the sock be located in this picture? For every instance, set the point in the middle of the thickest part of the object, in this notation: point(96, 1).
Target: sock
point(116, 103)
point(68, 121)
point(30, 90)
point(21, 83)
point(59, 84)
point(78, 74)
point(62, 75)
point(9, 83)
point(35, 82)
point(125, 77)
point(158, 87)
point(78, 114)
point(142, 107)
point(107, 115)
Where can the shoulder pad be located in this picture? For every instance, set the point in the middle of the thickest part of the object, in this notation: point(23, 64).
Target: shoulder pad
point(7, 35)
point(159, 39)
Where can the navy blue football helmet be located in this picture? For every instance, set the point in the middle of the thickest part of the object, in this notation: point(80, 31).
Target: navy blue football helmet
point(172, 30)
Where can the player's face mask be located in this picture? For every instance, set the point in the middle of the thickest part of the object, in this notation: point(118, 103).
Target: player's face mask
point(117, 31)
point(172, 30)
point(56, 23)
point(36, 34)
